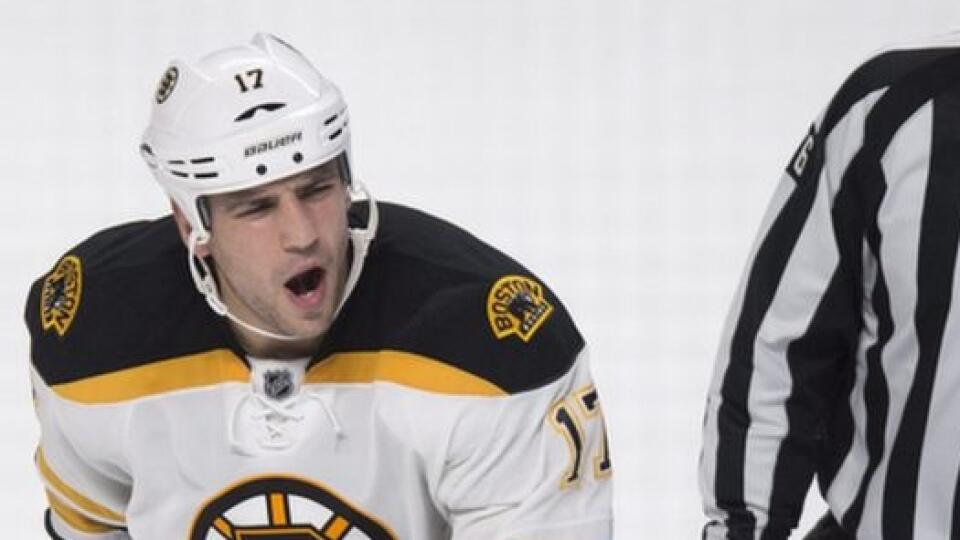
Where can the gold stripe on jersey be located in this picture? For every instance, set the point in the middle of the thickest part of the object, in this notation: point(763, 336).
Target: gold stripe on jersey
point(222, 365)
point(403, 368)
point(73, 496)
point(204, 369)
point(75, 519)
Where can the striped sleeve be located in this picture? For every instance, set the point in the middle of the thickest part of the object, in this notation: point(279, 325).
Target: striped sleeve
point(86, 495)
point(63, 522)
point(812, 310)
point(785, 342)
point(72, 515)
point(789, 342)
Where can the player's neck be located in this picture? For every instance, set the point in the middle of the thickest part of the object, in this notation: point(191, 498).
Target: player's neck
point(265, 347)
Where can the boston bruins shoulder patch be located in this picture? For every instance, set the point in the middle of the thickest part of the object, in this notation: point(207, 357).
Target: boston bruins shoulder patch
point(60, 296)
point(516, 305)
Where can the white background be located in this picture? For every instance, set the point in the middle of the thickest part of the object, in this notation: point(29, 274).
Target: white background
point(623, 150)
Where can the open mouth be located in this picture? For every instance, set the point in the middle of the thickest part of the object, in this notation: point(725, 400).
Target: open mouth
point(305, 282)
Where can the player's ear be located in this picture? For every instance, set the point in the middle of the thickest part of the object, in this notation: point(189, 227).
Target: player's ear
point(202, 250)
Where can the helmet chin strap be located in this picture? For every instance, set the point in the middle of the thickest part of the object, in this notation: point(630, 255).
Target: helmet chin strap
point(359, 238)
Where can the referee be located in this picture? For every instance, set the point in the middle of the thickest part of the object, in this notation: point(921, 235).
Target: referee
point(841, 356)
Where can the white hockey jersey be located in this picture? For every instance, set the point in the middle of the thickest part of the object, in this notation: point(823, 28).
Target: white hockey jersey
point(451, 399)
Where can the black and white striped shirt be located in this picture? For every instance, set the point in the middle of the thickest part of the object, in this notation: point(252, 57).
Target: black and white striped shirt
point(841, 355)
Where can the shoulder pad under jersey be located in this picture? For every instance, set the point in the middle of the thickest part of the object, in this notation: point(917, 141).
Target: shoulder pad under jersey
point(433, 296)
point(121, 298)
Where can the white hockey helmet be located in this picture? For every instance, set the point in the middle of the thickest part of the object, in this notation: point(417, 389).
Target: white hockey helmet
point(239, 118)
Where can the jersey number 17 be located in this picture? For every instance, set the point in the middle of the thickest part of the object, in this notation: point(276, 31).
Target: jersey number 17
point(568, 417)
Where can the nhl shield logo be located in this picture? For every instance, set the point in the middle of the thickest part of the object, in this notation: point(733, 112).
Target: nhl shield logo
point(60, 295)
point(516, 305)
point(278, 383)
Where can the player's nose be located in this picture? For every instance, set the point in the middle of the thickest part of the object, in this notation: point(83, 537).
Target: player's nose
point(296, 227)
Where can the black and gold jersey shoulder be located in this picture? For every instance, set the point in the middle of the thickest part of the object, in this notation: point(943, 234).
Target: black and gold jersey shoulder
point(431, 289)
point(120, 299)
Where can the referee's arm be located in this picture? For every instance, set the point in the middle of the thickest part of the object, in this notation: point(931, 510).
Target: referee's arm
point(788, 345)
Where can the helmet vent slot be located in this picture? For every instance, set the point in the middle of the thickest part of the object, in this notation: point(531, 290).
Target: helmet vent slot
point(331, 120)
point(148, 155)
point(335, 134)
point(181, 168)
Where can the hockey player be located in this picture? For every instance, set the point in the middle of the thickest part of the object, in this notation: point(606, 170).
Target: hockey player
point(348, 370)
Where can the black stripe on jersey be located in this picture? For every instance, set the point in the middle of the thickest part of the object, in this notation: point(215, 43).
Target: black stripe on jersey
point(875, 74)
point(820, 359)
point(899, 103)
point(947, 111)
point(825, 356)
point(939, 233)
point(876, 391)
point(855, 215)
point(48, 525)
point(765, 275)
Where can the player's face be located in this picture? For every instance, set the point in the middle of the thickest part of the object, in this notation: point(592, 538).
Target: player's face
point(281, 257)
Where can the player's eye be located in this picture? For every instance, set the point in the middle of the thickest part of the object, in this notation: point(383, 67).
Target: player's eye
point(253, 208)
point(315, 189)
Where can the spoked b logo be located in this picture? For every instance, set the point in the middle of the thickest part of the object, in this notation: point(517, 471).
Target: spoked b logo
point(282, 507)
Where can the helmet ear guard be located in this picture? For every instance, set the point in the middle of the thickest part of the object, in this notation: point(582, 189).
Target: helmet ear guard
point(203, 211)
point(343, 167)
